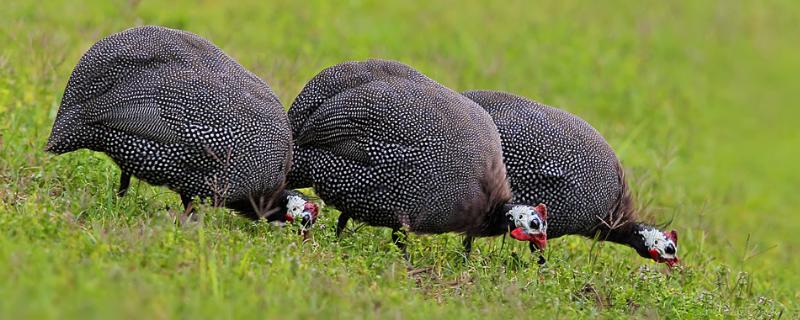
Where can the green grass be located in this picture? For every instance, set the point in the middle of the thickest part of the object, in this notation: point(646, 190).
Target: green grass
point(697, 97)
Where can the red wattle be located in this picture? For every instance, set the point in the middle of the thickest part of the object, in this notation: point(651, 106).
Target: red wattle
point(520, 235)
point(672, 262)
point(311, 207)
point(540, 241)
point(654, 254)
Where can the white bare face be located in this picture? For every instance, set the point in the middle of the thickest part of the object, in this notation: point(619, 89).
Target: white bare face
point(658, 241)
point(528, 219)
point(295, 208)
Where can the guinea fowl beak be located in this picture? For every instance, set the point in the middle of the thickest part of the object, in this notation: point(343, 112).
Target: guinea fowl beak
point(305, 225)
point(672, 262)
point(669, 261)
point(538, 239)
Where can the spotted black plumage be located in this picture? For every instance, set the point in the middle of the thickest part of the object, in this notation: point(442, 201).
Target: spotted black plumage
point(388, 146)
point(556, 158)
point(172, 109)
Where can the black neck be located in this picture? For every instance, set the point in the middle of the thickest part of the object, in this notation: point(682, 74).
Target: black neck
point(498, 222)
point(273, 211)
point(627, 234)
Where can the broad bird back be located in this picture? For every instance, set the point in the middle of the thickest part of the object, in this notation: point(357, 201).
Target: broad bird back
point(171, 108)
point(556, 158)
point(391, 147)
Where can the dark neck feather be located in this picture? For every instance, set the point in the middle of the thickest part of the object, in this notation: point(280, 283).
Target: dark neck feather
point(270, 207)
point(497, 223)
point(620, 225)
point(628, 235)
point(484, 214)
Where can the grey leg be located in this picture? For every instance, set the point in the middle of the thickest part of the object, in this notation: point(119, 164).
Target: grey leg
point(187, 204)
point(534, 251)
point(400, 243)
point(467, 245)
point(124, 183)
point(341, 223)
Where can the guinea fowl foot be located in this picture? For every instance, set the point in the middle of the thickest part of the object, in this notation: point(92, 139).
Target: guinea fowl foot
point(188, 210)
point(399, 237)
point(467, 242)
point(341, 224)
point(535, 251)
point(124, 183)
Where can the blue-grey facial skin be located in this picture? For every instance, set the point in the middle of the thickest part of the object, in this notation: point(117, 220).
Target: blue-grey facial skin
point(301, 210)
point(529, 224)
point(661, 246)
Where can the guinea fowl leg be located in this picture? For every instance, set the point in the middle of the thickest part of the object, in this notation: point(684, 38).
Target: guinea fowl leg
point(467, 245)
point(124, 183)
point(188, 209)
point(187, 203)
point(534, 251)
point(341, 223)
point(400, 242)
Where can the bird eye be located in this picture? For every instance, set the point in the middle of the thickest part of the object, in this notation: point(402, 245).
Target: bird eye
point(670, 249)
point(534, 224)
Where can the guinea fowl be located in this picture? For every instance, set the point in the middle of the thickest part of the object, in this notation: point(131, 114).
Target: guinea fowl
point(390, 147)
point(556, 158)
point(172, 109)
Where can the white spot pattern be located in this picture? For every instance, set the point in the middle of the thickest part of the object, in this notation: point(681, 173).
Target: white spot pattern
point(555, 158)
point(390, 147)
point(172, 109)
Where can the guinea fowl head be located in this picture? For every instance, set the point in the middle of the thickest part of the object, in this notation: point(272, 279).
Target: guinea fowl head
point(652, 243)
point(302, 210)
point(528, 223)
point(286, 206)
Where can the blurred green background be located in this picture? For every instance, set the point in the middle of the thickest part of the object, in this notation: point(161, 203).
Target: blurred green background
point(697, 97)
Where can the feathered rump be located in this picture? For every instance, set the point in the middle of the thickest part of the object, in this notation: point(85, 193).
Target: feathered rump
point(340, 78)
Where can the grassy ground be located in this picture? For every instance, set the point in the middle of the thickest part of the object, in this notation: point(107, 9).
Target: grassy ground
point(695, 96)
